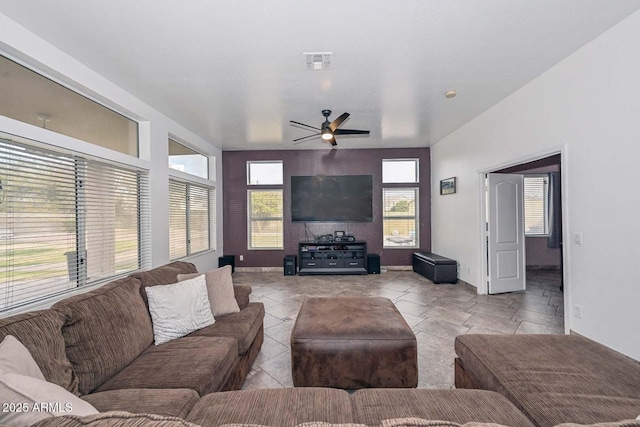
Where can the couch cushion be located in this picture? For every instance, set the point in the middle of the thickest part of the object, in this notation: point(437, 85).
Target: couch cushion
point(179, 309)
point(243, 326)
point(199, 363)
point(273, 407)
point(15, 358)
point(242, 292)
point(372, 406)
point(114, 419)
point(36, 398)
point(167, 402)
point(582, 380)
point(219, 289)
point(164, 275)
point(105, 330)
point(41, 333)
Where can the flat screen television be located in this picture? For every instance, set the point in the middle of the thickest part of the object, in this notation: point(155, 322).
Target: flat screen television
point(334, 198)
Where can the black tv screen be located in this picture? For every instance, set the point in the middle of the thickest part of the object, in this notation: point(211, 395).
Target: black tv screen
point(342, 198)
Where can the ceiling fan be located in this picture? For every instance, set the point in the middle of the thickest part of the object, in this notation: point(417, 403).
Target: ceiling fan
point(328, 130)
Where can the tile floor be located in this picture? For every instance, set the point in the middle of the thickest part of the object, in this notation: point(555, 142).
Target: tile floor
point(436, 313)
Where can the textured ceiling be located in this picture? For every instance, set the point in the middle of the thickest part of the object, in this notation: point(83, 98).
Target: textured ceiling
point(235, 74)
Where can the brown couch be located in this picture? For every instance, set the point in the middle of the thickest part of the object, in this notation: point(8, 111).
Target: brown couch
point(99, 345)
point(552, 378)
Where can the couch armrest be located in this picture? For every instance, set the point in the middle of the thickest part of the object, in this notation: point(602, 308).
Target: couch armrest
point(241, 292)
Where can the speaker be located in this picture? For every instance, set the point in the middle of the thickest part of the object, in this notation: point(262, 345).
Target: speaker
point(290, 265)
point(227, 260)
point(373, 263)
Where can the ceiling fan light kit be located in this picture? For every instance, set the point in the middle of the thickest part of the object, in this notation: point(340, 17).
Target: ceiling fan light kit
point(328, 130)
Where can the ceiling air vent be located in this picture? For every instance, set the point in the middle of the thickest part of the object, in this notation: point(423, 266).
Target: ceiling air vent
point(318, 61)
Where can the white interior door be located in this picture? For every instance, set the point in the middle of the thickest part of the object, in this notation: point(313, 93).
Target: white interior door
point(506, 233)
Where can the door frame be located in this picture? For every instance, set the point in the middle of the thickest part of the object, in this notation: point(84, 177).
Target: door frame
point(563, 150)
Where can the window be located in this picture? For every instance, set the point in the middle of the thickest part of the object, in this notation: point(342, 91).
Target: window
point(400, 217)
point(32, 98)
point(265, 173)
point(185, 159)
point(265, 205)
point(191, 224)
point(400, 171)
point(400, 203)
point(265, 219)
point(65, 221)
point(536, 205)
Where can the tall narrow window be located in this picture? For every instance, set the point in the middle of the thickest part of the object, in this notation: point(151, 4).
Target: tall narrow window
point(400, 179)
point(265, 219)
point(265, 204)
point(65, 221)
point(536, 205)
point(191, 224)
point(400, 219)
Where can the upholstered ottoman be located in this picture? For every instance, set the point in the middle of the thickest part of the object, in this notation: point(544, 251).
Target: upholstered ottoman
point(352, 343)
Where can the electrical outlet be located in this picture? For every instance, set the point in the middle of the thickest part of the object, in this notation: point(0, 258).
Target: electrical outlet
point(469, 270)
point(241, 257)
point(577, 311)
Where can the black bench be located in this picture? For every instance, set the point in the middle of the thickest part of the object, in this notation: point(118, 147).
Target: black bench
point(436, 268)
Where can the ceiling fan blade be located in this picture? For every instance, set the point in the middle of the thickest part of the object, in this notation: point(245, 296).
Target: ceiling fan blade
point(337, 122)
point(332, 141)
point(306, 137)
point(350, 132)
point(302, 124)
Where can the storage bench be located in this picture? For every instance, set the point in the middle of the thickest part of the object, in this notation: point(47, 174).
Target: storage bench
point(436, 268)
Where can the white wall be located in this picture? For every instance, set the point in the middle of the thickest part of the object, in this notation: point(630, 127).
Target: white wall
point(589, 106)
point(19, 44)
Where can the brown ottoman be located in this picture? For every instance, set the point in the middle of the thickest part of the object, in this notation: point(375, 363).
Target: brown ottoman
point(352, 343)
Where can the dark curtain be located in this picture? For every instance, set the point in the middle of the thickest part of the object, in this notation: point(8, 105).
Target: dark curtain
point(555, 211)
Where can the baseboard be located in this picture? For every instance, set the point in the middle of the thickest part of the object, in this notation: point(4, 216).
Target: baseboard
point(258, 269)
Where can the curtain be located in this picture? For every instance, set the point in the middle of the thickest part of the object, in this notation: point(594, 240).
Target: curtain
point(555, 211)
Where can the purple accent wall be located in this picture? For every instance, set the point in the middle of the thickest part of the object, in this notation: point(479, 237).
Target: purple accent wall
point(316, 162)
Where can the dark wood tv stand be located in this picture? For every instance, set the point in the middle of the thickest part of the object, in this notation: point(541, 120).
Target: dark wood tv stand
point(332, 258)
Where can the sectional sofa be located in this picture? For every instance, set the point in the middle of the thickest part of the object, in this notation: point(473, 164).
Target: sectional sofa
point(99, 346)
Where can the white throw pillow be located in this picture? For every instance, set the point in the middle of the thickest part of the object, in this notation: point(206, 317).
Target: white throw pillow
point(27, 400)
point(220, 290)
point(16, 359)
point(179, 309)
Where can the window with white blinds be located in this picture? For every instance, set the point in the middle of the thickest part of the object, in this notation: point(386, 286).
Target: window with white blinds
point(191, 218)
point(65, 222)
point(400, 217)
point(536, 205)
point(265, 219)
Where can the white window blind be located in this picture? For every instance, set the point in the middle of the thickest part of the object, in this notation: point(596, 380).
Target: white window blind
point(191, 218)
point(65, 221)
point(536, 205)
point(400, 217)
point(265, 221)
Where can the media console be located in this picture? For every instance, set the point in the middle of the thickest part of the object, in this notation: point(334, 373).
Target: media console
point(332, 258)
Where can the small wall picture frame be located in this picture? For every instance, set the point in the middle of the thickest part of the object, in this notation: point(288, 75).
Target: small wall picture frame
point(448, 186)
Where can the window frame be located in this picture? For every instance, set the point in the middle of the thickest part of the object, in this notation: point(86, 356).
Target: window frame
point(252, 162)
point(195, 152)
point(416, 162)
point(188, 181)
point(86, 169)
point(415, 217)
point(545, 201)
point(250, 218)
